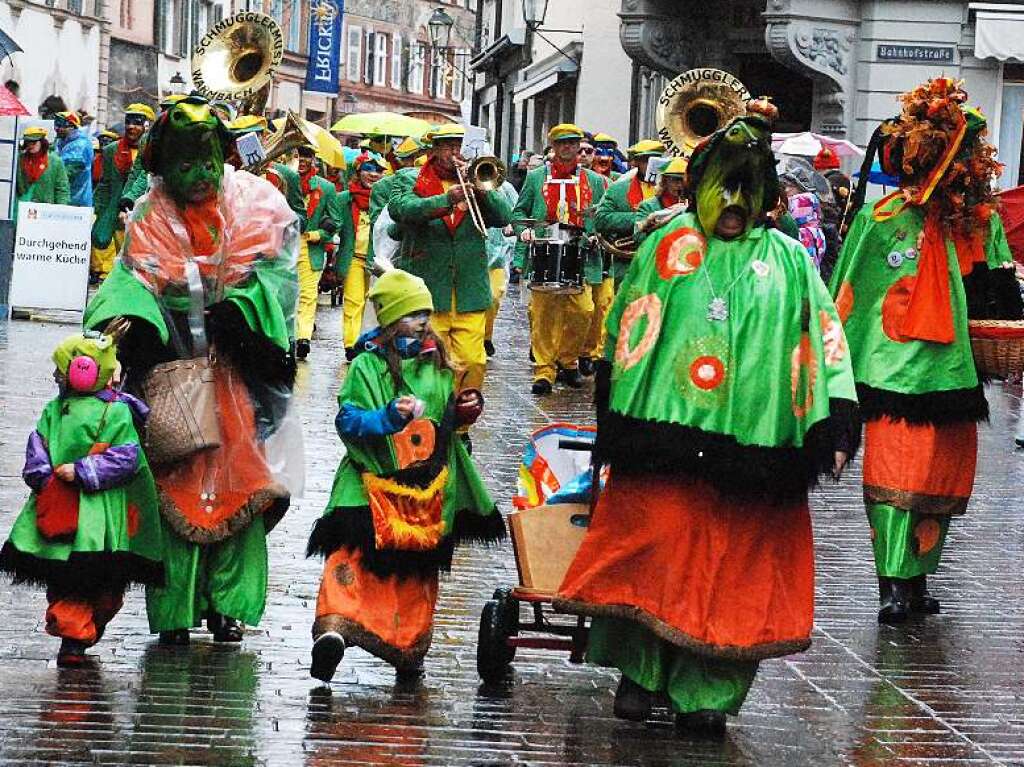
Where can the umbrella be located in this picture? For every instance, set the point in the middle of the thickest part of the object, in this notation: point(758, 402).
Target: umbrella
point(381, 124)
point(327, 147)
point(808, 144)
point(7, 45)
point(9, 104)
point(1011, 209)
point(876, 176)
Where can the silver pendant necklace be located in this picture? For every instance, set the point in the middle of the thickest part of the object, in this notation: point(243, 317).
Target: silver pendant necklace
point(718, 307)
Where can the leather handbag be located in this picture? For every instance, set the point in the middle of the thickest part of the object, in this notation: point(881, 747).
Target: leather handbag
point(182, 397)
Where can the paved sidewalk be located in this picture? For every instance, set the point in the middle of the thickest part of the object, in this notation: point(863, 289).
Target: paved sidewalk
point(945, 691)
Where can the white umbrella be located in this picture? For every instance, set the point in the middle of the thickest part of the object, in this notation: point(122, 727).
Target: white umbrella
point(808, 144)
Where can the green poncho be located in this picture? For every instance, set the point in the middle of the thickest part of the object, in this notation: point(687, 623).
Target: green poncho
point(468, 511)
point(118, 539)
point(743, 403)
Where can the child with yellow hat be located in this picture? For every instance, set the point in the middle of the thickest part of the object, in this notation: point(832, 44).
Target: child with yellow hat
point(406, 492)
point(90, 526)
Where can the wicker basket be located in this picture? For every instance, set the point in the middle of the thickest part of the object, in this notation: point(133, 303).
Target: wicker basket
point(998, 346)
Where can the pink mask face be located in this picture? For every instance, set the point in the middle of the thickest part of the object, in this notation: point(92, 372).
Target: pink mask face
point(83, 374)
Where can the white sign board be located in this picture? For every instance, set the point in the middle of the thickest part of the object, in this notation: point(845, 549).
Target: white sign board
point(51, 257)
point(250, 149)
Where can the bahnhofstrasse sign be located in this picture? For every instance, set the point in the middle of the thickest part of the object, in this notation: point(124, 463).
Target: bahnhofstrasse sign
point(925, 54)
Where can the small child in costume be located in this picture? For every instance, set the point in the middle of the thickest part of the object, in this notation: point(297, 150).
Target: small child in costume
point(90, 527)
point(406, 493)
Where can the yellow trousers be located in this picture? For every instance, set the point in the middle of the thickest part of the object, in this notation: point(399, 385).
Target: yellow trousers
point(101, 260)
point(463, 335)
point(309, 291)
point(558, 329)
point(499, 284)
point(357, 284)
point(602, 296)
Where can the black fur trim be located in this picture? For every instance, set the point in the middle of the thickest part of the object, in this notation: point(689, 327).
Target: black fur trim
point(777, 475)
point(935, 408)
point(352, 527)
point(84, 574)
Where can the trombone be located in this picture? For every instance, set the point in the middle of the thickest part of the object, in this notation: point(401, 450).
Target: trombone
point(485, 174)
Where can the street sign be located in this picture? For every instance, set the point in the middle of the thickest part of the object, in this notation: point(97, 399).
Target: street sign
point(916, 54)
point(51, 257)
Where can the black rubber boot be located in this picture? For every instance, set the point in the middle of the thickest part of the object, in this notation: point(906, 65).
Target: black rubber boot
point(223, 628)
point(893, 600)
point(921, 602)
point(328, 650)
point(71, 654)
point(301, 349)
point(632, 702)
point(489, 348)
point(541, 387)
point(705, 723)
point(586, 366)
point(177, 637)
point(570, 378)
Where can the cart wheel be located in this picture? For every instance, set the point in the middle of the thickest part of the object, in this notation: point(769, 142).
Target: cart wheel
point(508, 613)
point(493, 654)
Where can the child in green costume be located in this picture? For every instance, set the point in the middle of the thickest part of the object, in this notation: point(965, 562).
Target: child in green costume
point(91, 525)
point(405, 494)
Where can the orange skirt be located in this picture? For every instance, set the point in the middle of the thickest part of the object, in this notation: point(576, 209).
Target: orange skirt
point(710, 575)
point(389, 617)
point(920, 468)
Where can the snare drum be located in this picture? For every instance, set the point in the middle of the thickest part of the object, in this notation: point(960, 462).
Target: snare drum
point(556, 267)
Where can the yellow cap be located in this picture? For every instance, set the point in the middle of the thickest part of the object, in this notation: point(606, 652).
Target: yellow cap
point(171, 99)
point(646, 148)
point(248, 124)
point(565, 131)
point(34, 133)
point(448, 130)
point(112, 135)
point(676, 168)
point(141, 109)
point(604, 138)
point(420, 161)
point(407, 148)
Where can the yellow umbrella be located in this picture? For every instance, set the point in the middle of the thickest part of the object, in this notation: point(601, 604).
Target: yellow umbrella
point(381, 124)
point(326, 146)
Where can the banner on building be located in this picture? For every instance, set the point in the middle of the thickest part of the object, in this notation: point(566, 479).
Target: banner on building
point(51, 257)
point(324, 46)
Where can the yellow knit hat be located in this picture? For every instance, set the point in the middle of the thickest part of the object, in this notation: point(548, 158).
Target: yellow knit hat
point(396, 294)
point(676, 168)
point(565, 131)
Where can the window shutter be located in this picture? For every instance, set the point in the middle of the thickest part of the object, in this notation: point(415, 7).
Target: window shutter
point(396, 61)
point(380, 64)
point(368, 70)
point(354, 54)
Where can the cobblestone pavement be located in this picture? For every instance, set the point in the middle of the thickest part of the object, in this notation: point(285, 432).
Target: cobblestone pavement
point(946, 691)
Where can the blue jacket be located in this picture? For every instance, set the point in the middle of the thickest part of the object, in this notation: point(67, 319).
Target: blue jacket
point(76, 154)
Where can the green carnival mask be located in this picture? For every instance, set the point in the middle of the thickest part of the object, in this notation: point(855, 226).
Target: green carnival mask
point(191, 152)
point(735, 168)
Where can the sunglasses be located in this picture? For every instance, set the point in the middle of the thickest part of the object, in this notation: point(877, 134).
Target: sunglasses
point(586, 150)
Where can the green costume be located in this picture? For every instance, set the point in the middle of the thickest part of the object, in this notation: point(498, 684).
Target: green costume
point(216, 505)
point(698, 562)
point(327, 208)
point(138, 179)
point(532, 204)
point(51, 186)
point(106, 197)
point(449, 262)
point(616, 217)
point(347, 232)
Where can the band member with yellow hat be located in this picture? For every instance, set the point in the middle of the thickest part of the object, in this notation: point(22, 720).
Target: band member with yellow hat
point(118, 158)
point(441, 245)
point(138, 179)
point(670, 191)
point(559, 192)
point(41, 174)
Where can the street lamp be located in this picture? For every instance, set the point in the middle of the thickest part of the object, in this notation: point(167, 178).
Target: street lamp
point(534, 12)
point(177, 84)
point(440, 28)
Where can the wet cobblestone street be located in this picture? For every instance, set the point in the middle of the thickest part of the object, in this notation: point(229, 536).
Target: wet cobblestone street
point(948, 690)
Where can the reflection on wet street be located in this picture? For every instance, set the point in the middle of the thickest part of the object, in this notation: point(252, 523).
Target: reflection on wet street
point(948, 690)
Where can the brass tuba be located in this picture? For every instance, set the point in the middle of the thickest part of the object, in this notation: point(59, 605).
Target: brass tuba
point(295, 132)
point(236, 60)
point(696, 104)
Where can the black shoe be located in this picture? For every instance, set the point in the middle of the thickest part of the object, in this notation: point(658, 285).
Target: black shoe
point(632, 702)
point(301, 349)
point(586, 366)
point(541, 387)
point(570, 378)
point(893, 600)
point(921, 602)
point(704, 723)
point(223, 628)
point(409, 674)
point(71, 654)
point(350, 353)
point(178, 637)
point(328, 650)
point(489, 348)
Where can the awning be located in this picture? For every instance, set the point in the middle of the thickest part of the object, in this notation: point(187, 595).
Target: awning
point(999, 31)
point(547, 74)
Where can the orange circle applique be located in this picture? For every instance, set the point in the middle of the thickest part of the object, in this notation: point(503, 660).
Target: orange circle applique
point(927, 533)
point(707, 372)
point(680, 253)
point(894, 308)
point(801, 383)
point(415, 442)
point(648, 306)
point(844, 301)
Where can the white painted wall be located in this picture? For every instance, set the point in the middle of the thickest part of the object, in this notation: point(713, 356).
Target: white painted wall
point(56, 60)
point(602, 96)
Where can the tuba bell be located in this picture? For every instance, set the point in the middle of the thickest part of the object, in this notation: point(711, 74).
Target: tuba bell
point(295, 132)
point(236, 60)
point(696, 104)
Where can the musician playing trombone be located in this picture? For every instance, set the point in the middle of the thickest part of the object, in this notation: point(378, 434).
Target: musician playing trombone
point(442, 245)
